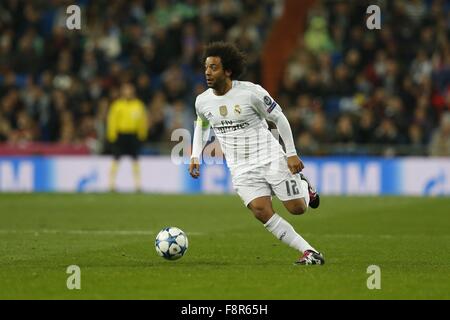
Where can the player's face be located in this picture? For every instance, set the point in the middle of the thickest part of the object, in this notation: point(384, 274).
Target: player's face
point(214, 73)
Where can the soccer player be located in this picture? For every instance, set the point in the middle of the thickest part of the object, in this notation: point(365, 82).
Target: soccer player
point(127, 128)
point(237, 111)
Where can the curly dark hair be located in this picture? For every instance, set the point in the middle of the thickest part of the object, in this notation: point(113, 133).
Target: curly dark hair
point(232, 58)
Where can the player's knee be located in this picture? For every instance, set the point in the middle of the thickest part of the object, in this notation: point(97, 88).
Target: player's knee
point(262, 213)
point(298, 208)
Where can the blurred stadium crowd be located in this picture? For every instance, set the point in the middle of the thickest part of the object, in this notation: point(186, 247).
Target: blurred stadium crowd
point(372, 91)
point(345, 90)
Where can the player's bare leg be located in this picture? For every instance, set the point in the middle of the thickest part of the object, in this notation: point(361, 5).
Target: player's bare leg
point(262, 208)
point(296, 206)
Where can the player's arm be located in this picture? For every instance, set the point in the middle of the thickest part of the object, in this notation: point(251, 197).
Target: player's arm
point(271, 111)
point(201, 134)
point(295, 164)
point(112, 123)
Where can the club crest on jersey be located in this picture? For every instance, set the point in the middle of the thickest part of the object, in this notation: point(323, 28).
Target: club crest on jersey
point(267, 100)
point(223, 111)
point(237, 109)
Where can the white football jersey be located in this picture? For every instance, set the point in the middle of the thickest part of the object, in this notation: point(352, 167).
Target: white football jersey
point(238, 120)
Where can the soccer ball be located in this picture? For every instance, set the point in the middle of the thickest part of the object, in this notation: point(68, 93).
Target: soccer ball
point(171, 243)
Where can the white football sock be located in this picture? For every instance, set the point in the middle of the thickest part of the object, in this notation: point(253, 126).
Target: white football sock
point(283, 230)
point(304, 186)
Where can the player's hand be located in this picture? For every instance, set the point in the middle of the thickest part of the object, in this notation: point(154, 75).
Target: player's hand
point(194, 168)
point(295, 164)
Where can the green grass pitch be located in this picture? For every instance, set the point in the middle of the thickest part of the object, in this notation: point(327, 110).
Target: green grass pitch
point(231, 256)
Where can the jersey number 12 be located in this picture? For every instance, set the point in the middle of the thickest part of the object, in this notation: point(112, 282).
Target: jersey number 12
point(294, 188)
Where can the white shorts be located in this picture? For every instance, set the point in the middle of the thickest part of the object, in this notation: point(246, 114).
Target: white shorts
point(273, 178)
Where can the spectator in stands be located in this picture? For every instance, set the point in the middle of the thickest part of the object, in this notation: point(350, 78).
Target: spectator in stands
point(309, 144)
point(4, 129)
point(345, 132)
point(26, 130)
point(179, 116)
point(319, 128)
point(365, 127)
point(64, 79)
point(101, 118)
point(387, 133)
point(67, 133)
point(397, 85)
point(156, 115)
point(440, 141)
point(416, 140)
point(317, 38)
